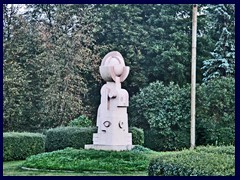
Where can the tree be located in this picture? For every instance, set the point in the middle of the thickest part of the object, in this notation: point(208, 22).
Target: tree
point(216, 112)
point(155, 40)
point(20, 49)
point(52, 50)
point(68, 60)
point(222, 62)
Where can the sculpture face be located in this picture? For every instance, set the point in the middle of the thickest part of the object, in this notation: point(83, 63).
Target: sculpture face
point(112, 118)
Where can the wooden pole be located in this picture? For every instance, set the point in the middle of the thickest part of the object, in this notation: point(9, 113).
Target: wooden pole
point(193, 74)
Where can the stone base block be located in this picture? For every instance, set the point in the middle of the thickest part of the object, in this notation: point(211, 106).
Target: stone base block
point(109, 147)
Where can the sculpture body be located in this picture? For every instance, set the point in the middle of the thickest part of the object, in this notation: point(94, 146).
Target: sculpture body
point(112, 117)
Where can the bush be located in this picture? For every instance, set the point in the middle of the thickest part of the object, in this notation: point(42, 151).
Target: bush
point(137, 135)
point(193, 163)
point(89, 160)
point(81, 121)
point(139, 148)
point(62, 137)
point(164, 114)
point(215, 115)
point(18, 146)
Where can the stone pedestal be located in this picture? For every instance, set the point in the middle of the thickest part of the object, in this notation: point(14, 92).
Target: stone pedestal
point(109, 147)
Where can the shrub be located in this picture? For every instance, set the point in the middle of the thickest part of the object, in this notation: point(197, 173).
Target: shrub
point(18, 146)
point(62, 137)
point(89, 160)
point(215, 115)
point(139, 148)
point(137, 135)
point(81, 121)
point(164, 113)
point(193, 163)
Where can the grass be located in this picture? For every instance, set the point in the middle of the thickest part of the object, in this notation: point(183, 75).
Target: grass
point(13, 168)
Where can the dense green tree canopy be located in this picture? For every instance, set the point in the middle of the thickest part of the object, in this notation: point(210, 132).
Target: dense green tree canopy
point(222, 24)
point(52, 53)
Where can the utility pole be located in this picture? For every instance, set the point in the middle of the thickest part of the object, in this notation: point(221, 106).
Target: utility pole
point(193, 74)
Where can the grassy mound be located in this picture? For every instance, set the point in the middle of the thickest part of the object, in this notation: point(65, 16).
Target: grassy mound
point(91, 160)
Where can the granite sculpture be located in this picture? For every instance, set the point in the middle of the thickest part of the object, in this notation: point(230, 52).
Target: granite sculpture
point(112, 117)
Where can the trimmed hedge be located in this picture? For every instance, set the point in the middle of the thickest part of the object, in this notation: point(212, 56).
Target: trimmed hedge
point(18, 146)
point(213, 161)
point(62, 137)
point(217, 149)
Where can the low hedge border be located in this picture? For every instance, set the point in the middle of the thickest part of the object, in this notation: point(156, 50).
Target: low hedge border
point(18, 146)
point(199, 162)
point(76, 137)
point(62, 137)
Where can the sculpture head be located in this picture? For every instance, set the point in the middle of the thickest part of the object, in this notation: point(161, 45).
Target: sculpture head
point(113, 66)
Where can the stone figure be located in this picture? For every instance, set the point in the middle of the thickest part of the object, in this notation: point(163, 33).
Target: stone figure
point(112, 117)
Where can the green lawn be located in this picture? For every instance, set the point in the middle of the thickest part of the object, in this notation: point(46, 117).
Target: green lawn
point(13, 168)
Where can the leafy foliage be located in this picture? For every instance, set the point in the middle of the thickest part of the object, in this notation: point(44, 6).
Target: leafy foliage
point(222, 24)
point(137, 135)
point(81, 121)
point(89, 160)
point(52, 53)
point(57, 62)
point(68, 59)
point(14, 92)
point(21, 102)
point(155, 40)
point(62, 137)
point(194, 163)
point(230, 150)
point(215, 115)
point(18, 146)
point(139, 148)
point(163, 112)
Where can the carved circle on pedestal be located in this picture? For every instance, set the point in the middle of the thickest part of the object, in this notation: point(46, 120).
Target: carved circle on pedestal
point(107, 123)
point(120, 124)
